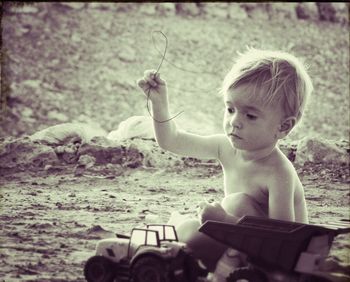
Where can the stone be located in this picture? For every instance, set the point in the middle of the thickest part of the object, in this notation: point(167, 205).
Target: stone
point(75, 6)
point(33, 83)
point(326, 11)
point(257, 10)
point(87, 161)
point(24, 154)
point(289, 149)
point(284, 10)
point(127, 55)
point(316, 150)
point(68, 152)
point(187, 9)
point(102, 6)
point(165, 9)
point(102, 150)
point(306, 10)
point(27, 112)
point(54, 115)
point(154, 156)
point(149, 9)
point(236, 12)
point(60, 133)
point(217, 10)
point(23, 8)
point(133, 127)
point(107, 151)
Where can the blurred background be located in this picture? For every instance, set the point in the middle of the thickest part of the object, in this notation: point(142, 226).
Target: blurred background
point(65, 62)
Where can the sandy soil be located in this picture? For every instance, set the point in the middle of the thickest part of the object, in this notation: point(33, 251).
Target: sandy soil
point(52, 223)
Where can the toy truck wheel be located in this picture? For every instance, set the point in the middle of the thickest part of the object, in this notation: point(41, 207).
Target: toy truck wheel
point(313, 278)
point(247, 273)
point(99, 269)
point(149, 269)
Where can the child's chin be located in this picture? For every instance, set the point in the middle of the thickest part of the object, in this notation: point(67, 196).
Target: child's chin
point(237, 145)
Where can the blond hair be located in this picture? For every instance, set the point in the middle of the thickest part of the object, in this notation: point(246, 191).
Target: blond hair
point(281, 75)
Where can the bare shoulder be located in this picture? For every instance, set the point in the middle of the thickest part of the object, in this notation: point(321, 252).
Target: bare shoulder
point(282, 171)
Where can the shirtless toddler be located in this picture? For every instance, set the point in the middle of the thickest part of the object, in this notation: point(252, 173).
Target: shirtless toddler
point(264, 95)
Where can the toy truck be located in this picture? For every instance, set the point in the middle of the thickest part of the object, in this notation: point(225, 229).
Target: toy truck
point(277, 250)
point(151, 254)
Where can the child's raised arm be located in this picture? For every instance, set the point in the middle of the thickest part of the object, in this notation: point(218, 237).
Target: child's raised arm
point(167, 135)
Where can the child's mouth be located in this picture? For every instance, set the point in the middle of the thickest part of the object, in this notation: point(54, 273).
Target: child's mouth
point(235, 136)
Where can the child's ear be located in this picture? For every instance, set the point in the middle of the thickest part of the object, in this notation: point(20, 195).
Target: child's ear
point(286, 126)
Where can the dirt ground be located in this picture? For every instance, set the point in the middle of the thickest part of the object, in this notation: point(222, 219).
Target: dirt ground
point(51, 223)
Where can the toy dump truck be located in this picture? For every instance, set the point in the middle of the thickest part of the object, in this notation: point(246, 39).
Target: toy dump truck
point(151, 254)
point(277, 250)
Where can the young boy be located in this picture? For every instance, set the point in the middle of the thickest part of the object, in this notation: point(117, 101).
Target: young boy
point(264, 95)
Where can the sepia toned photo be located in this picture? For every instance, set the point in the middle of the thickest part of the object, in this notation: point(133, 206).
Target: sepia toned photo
point(175, 142)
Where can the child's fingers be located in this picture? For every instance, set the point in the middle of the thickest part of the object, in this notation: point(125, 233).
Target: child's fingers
point(142, 84)
point(159, 80)
point(151, 77)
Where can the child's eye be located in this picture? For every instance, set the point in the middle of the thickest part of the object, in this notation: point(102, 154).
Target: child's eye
point(230, 110)
point(251, 117)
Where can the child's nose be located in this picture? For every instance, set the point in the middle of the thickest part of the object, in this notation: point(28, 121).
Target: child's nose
point(235, 122)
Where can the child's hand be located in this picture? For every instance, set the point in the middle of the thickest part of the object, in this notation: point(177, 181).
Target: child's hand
point(153, 85)
point(211, 212)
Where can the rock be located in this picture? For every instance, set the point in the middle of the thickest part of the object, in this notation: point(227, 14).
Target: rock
point(133, 127)
point(148, 9)
point(217, 10)
point(284, 10)
point(326, 11)
point(57, 116)
point(289, 149)
point(102, 150)
point(102, 6)
point(107, 151)
point(187, 9)
point(127, 55)
point(87, 161)
point(27, 112)
point(165, 9)
point(31, 83)
point(257, 10)
point(154, 156)
point(75, 6)
point(59, 134)
point(321, 151)
point(68, 152)
point(23, 8)
point(236, 12)
point(306, 10)
point(342, 12)
point(97, 231)
point(23, 154)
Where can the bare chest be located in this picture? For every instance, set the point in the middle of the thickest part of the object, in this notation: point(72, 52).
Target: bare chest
point(246, 179)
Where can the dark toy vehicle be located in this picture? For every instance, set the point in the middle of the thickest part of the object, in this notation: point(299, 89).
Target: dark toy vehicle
point(151, 254)
point(275, 248)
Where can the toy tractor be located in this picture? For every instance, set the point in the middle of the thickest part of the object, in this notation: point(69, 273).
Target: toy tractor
point(277, 250)
point(151, 254)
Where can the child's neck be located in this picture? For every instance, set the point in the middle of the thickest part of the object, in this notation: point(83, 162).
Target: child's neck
point(258, 155)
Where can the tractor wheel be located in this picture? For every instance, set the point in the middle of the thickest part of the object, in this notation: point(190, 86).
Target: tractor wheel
point(247, 273)
point(99, 269)
point(149, 269)
point(313, 278)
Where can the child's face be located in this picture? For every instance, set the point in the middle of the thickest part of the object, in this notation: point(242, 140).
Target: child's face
point(248, 123)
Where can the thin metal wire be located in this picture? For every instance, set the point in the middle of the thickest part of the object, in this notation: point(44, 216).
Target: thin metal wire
point(157, 71)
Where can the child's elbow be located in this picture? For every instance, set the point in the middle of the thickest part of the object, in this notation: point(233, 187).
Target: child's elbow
point(163, 145)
